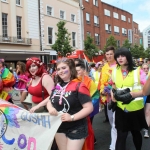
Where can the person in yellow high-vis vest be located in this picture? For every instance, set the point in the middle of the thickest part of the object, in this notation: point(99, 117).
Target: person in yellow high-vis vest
point(127, 93)
point(96, 74)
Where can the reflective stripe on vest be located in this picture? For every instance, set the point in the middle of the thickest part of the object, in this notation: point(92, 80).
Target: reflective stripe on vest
point(137, 103)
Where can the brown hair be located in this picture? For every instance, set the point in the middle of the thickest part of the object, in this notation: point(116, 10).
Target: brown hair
point(22, 67)
point(72, 68)
point(110, 48)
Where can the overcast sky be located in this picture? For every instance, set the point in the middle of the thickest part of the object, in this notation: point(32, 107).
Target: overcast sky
point(139, 8)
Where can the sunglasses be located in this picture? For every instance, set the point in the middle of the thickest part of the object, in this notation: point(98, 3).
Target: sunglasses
point(145, 68)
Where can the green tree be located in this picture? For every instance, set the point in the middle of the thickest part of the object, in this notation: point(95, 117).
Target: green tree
point(138, 51)
point(127, 44)
point(62, 44)
point(90, 49)
point(147, 53)
point(111, 42)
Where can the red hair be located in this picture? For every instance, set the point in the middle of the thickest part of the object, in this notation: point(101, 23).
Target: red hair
point(37, 61)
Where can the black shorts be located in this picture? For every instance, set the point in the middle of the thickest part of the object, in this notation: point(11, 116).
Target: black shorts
point(148, 99)
point(75, 133)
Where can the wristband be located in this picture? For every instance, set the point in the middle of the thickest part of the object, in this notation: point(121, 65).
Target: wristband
point(72, 117)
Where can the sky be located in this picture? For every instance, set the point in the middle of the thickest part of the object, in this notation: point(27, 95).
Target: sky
point(139, 8)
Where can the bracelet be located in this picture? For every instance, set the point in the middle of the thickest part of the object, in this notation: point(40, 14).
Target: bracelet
point(72, 117)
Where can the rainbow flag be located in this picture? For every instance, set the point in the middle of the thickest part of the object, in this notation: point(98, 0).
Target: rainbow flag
point(94, 93)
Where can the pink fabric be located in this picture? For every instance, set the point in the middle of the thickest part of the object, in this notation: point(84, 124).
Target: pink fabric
point(22, 84)
point(142, 77)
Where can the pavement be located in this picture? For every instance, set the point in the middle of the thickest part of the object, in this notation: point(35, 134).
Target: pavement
point(102, 134)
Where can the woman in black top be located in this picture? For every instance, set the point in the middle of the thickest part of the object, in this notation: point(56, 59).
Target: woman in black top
point(73, 98)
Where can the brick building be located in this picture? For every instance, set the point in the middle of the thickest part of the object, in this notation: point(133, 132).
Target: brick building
point(136, 36)
point(102, 20)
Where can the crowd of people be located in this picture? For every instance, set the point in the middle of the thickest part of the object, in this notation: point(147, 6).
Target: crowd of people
point(118, 84)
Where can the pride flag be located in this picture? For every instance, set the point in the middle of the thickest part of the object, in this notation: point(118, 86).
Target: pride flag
point(94, 93)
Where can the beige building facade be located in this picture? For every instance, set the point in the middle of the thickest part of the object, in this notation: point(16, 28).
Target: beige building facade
point(51, 12)
point(19, 30)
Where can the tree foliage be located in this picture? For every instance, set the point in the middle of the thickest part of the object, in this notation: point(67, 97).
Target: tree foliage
point(138, 51)
point(62, 44)
point(90, 48)
point(127, 44)
point(111, 42)
point(147, 53)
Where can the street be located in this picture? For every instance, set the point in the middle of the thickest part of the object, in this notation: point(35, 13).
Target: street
point(102, 134)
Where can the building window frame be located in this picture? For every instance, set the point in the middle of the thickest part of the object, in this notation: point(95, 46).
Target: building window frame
point(18, 2)
point(118, 43)
point(116, 29)
point(95, 3)
point(88, 33)
point(115, 15)
point(18, 23)
point(124, 31)
point(74, 39)
point(129, 20)
point(50, 37)
point(73, 18)
point(4, 25)
point(96, 21)
point(108, 28)
point(62, 16)
point(107, 12)
point(97, 38)
point(49, 12)
point(87, 18)
point(123, 17)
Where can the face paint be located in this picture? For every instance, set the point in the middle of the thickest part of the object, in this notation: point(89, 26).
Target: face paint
point(66, 72)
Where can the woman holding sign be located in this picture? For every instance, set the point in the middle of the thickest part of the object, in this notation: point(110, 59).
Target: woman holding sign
point(72, 98)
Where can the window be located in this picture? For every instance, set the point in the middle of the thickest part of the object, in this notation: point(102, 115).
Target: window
point(18, 27)
point(129, 20)
point(106, 12)
point(96, 20)
point(130, 35)
point(123, 17)
point(49, 10)
point(95, 2)
point(97, 39)
point(124, 31)
point(116, 29)
point(116, 15)
point(50, 35)
point(62, 14)
point(18, 2)
point(118, 43)
point(74, 39)
point(72, 17)
point(87, 18)
point(88, 33)
point(4, 25)
point(108, 28)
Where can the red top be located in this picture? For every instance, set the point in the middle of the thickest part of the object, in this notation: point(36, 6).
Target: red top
point(36, 92)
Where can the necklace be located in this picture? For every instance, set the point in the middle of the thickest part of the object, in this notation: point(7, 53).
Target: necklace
point(124, 72)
